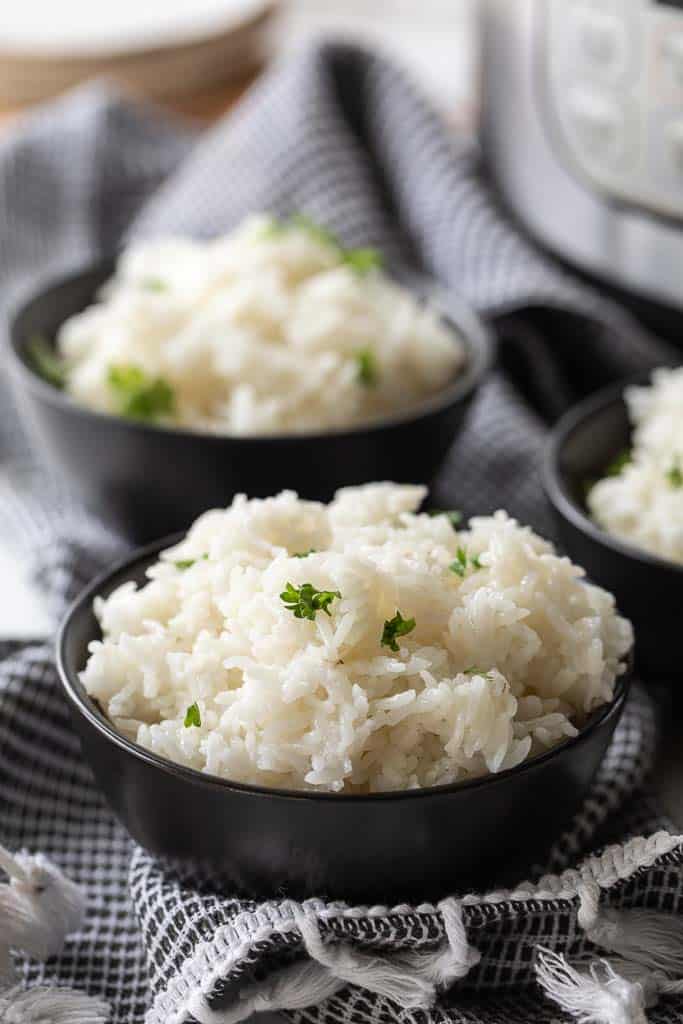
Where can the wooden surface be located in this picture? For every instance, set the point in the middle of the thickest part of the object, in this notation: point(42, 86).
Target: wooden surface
point(182, 65)
point(435, 39)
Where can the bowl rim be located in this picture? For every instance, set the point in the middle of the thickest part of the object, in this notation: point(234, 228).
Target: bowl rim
point(87, 708)
point(461, 319)
point(555, 485)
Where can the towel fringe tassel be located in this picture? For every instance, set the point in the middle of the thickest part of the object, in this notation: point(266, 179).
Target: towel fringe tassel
point(51, 1006)
point(597, 995)
point(39, 907)
point(648, 963)
point(646, 937)
point(293, 988)
point(410, 979)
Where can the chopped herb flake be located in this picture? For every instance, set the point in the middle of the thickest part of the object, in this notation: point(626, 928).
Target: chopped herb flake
point(368, 374)
point(305, 601)
point(362, 261)
point(139, 396)
point(462, 561)
point(193, 716)
point(675, 474)
point(618, 464)
point(393, 628)
point(459, 566)
point(273, 227)
point(187, 563)
point(454, 515)
point(316, 231)
point(154, 284)
point(46, 362)
point(474, 670)
point(304, 554)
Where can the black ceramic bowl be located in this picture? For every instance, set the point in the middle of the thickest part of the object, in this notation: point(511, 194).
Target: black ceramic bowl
point(147, 481)
point(649, 590)
point(391, 847)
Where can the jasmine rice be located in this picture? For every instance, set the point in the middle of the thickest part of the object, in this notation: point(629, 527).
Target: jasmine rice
point(641, 498)
point(355, 647)
point(274, 328)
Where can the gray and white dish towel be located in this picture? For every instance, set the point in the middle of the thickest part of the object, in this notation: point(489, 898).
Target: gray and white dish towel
point(343, 135)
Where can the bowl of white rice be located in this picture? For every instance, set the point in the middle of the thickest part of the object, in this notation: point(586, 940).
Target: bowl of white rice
point(614, 476)
point(357, 699)
point(185, 371)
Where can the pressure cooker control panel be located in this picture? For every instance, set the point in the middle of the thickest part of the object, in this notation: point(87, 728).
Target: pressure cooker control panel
point(614, 75)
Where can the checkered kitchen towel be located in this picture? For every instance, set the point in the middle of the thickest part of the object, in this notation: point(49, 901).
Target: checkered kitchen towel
point(343, 135)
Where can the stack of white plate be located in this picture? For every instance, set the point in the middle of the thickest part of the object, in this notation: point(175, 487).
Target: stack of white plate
point(163, 49)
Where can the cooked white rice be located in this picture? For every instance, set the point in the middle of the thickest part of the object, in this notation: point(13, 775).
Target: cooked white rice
point(504, 660)
point(266, 330)
point(643, 503)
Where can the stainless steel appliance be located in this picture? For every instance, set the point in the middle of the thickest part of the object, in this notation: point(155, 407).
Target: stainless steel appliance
point(583, 131)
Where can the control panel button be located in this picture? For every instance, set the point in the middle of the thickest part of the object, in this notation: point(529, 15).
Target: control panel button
point(674, 146)
point(598, 123)
point(601, 40)
point(672, 55)
point(662, 178)
point(614, 74)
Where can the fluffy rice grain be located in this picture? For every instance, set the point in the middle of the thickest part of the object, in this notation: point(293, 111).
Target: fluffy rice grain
point(643, 503)
point(262, 331)
point(504, 661)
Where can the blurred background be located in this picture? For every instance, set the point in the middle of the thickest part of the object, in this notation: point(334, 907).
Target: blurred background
point(197, 56)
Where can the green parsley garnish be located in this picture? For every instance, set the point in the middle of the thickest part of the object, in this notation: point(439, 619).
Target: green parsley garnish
point(304, 554)
point(462, 561)
point(305, 601)
point(193, 716)
point(368, 374)
point(46, 361)
point(615, 468)
point(362, 261)
point(139, 396)
point(454, 516)
point(312, 228)
point(398, 626)
point(459, 566)
point(618, 464)
point(273, 228)
point(187, 563)
point(675, 474)
point(474, 670)
point(154, 284)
